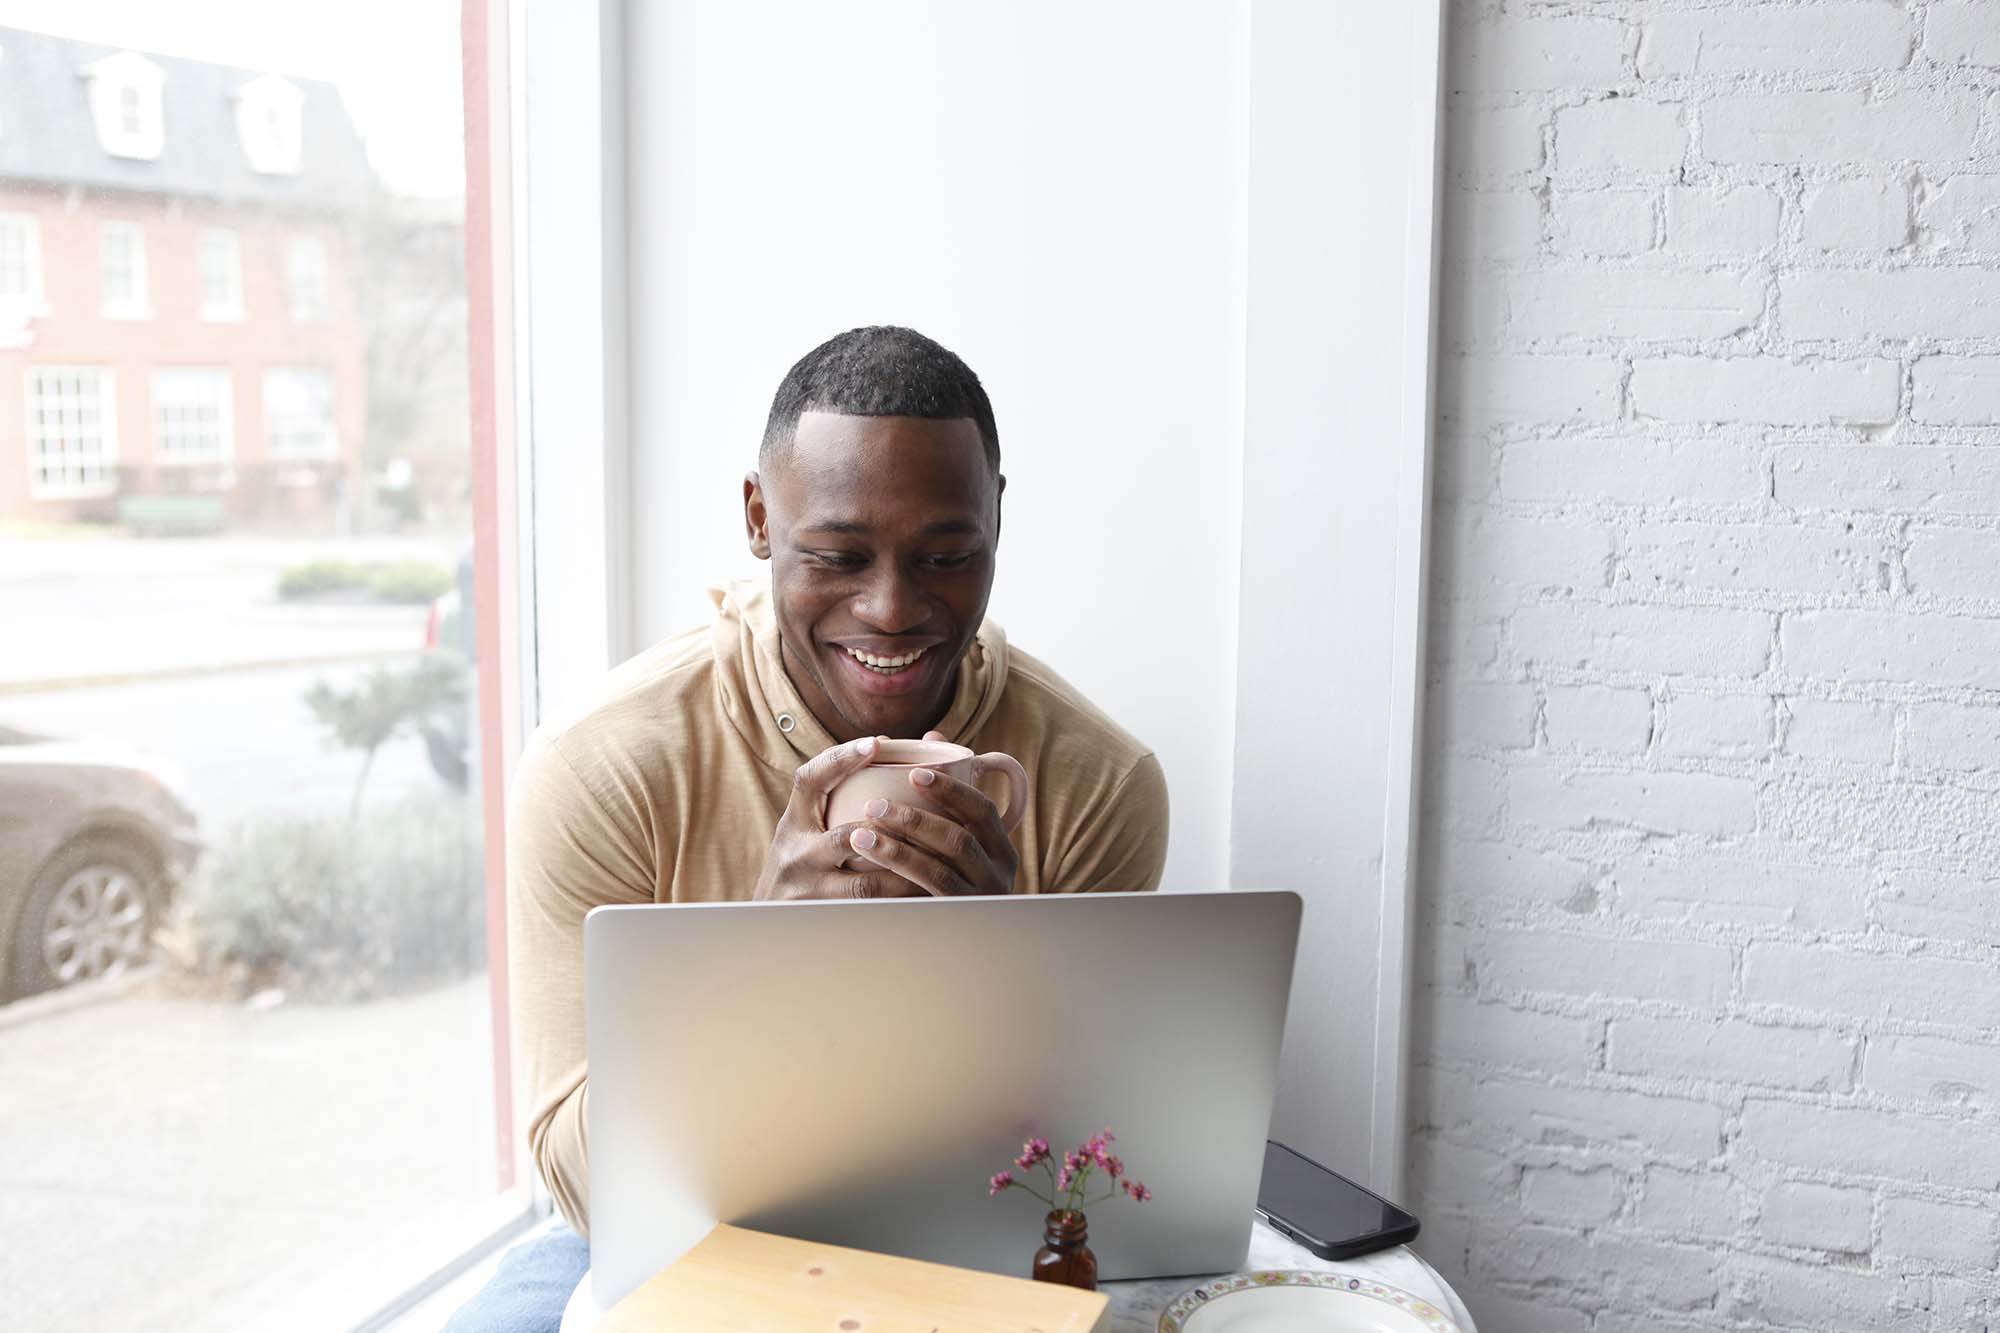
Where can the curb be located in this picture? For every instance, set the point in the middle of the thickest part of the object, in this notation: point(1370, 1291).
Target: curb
point(56, 684)
point(48, 1004)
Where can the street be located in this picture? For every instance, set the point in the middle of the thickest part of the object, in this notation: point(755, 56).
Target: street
point(244, 743)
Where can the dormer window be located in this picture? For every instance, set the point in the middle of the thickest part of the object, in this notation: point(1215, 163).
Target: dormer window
point(267, 123)
point(125, 102)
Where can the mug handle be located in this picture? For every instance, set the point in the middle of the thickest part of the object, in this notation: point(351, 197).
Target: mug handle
point(1017, 785)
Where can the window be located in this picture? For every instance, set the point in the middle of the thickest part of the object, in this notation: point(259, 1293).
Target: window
point(221, 581)
point(125, 102)
point(192, 417)
point(125, 272)
point(305, 271)
point(72, 431)
point(20, 261)
point(268, 124)
point(221, 276)
point(298, 413)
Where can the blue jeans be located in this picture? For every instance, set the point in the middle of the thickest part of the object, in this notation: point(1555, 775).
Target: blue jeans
point(531, 1289)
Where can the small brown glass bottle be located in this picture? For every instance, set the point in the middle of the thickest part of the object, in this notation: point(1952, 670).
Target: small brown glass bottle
point(1064, 1257)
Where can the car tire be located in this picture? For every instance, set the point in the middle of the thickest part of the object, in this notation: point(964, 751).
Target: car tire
point(90, 913)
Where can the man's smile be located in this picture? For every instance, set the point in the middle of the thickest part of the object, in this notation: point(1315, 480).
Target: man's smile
point(885, 668)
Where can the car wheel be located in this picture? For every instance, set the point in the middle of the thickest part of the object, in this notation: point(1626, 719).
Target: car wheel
point(89, 914)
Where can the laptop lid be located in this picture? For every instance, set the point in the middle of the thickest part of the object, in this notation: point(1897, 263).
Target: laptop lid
point(853, 1072)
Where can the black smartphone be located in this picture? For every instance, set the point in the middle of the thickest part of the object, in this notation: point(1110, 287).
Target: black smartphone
point(1324, 1210)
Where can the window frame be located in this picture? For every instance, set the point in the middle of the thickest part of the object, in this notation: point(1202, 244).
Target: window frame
point(32, 299)
point(107, 411)
point(229, 309)
point(224, 451)
point(299, 375)
point(113, 80)
point(318, 310)
point(138, 304)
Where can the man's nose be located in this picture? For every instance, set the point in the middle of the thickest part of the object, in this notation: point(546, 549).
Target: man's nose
point(890, 603)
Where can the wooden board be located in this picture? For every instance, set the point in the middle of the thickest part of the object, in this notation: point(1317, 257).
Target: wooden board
point(737, 1280)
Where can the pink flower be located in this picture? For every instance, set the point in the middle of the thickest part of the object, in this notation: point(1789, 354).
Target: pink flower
point(1115, 1165)
point(1033, 1153)
point(1138, 1192)
point(1001, 1180)
point(1065, 1176)
point(1073, 1160)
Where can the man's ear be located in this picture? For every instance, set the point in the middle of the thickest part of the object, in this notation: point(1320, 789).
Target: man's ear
point(756, 519)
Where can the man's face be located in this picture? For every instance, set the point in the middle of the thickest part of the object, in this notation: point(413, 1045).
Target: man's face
point(881, 534)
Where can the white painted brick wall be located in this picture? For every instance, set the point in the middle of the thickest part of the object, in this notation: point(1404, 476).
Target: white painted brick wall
point(1709, 1005)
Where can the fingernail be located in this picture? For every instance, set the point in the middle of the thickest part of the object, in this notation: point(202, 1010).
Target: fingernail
point(876, 808)
point(866, 745)
point(923, 777)
point(863, 839)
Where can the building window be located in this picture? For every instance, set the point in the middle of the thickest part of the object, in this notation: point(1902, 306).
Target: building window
point(221, 276)
point(192, 417)
point(298, 413)
point(126, 104)
point(305, 271)
point(268, 124)
point(125, 272)
point(20, 261)
point(72, 431)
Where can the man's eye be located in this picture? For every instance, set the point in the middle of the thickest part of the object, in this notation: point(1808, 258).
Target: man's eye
point(836, 559)
point(958, 561)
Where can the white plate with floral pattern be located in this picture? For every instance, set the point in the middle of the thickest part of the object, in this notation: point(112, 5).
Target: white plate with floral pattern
point(1301, 1301)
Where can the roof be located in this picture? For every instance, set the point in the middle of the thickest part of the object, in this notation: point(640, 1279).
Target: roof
point(47, 133)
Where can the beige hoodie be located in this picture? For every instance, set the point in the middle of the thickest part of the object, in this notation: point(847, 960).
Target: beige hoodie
point(668, 785)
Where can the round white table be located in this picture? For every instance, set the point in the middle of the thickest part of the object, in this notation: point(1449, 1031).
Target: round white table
point(1136, 1305)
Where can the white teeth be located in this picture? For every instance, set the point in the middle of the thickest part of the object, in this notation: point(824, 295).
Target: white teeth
point(886, 665)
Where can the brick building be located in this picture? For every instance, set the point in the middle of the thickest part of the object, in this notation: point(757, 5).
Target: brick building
point(179, 335)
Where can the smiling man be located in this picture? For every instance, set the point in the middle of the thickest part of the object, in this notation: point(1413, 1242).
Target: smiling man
point(700, 771)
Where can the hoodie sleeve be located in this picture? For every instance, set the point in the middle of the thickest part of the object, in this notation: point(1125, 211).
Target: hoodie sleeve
point(570, 848)
point(1119, 844)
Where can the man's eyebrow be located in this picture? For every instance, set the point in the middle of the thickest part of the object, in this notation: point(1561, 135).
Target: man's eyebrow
point(944, 527)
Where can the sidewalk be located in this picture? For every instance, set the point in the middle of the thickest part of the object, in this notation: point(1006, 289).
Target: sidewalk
point(178, 1163)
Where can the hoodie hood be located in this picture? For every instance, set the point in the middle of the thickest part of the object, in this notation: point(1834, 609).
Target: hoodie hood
point(760, 701)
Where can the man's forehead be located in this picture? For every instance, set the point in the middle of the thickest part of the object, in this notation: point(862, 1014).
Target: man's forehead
point(876, 474)
point(823, 433)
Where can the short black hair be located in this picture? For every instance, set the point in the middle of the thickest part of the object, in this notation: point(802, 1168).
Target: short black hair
point(879, 371)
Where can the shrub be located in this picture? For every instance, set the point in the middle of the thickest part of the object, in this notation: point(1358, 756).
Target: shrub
point(316, 578)
point(326, 909)
point(409, 584)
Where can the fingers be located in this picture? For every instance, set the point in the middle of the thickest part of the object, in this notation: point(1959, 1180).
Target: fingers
point(831, 848)
point(943, 837)
point(869, 884)
point(967, 804)
point(913, 863)
point(937, 736)
point(824, 771)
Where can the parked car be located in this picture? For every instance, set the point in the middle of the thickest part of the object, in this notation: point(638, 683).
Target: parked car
point(94, 844)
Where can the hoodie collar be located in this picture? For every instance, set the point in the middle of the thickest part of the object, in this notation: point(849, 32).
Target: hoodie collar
point(761, 702)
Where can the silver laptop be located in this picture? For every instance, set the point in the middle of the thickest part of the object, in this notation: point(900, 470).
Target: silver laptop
point(852, 1073)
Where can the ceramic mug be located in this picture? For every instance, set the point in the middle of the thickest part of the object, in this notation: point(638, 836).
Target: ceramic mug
point(889, 777)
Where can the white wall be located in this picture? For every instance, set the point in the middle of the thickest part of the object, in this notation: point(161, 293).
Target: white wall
point(1149, 228)
point(1054, 191)
point(1712, 857)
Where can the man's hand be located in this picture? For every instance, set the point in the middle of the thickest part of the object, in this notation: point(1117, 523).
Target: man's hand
point(964, 851)
point(808, 860)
